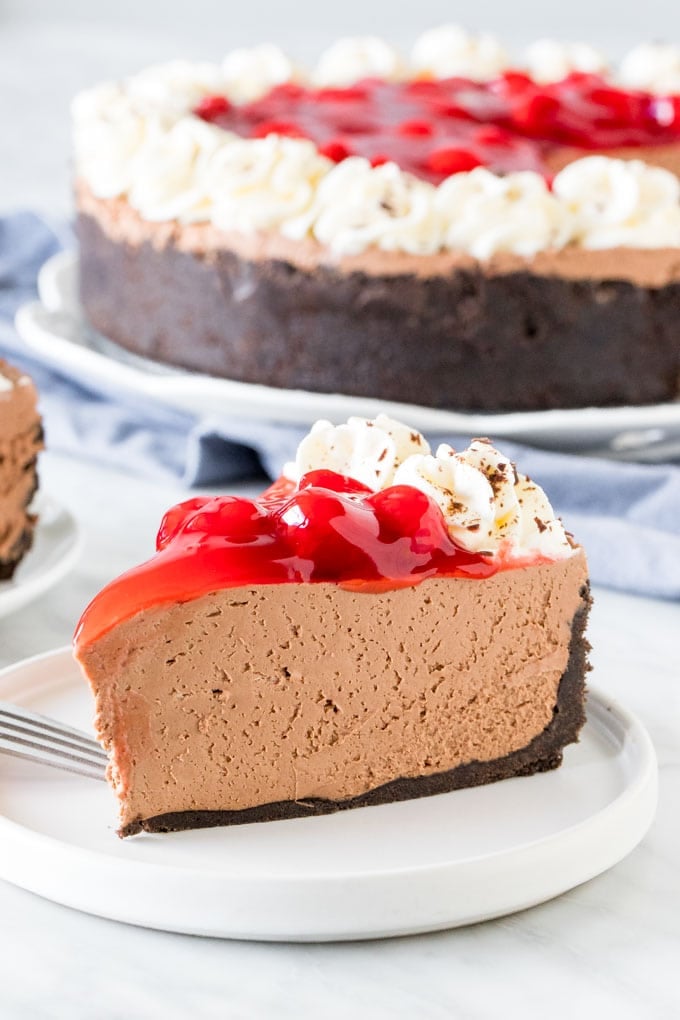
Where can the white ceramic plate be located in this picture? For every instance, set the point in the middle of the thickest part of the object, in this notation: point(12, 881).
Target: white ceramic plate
point(396, 869)
point(55, 327)
point(56, 545)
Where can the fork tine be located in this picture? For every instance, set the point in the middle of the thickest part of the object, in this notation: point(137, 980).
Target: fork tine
point(16, 714)
point(54, 759)
point(13, 739)
point(87, 749)
point(33, 737)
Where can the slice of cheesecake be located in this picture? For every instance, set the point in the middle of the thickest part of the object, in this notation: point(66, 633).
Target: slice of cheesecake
point(381, 624)
point(21, 439)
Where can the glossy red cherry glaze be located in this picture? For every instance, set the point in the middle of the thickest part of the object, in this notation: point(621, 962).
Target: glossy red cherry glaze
point(437, 128)
point(328, 528)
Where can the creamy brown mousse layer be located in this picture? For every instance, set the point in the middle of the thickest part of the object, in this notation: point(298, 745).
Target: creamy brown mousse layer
point(21, 439)
point(294, 699)
point(565, 328)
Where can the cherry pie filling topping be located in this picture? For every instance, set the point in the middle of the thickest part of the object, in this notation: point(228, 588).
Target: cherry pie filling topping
point(433, 129)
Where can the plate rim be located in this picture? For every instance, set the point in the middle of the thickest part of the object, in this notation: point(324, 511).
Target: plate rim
point(22, 592)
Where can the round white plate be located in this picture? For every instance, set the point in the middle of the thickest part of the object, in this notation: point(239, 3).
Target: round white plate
point(56, 545)
point(396, 869)
point(55, 327)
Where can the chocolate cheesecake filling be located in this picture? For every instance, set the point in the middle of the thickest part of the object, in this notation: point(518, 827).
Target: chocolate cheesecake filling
point(568, 328)
point(284, 700)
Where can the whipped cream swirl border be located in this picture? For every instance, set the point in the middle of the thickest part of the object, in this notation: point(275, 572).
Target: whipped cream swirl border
point(139, 140)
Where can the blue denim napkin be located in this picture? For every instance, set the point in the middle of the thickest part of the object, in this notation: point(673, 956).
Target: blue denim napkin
point(626, 515)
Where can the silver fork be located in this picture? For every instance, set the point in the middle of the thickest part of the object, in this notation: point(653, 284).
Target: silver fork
point(34, 737)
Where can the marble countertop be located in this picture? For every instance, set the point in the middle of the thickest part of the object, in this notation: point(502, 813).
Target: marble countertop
point(609, 947)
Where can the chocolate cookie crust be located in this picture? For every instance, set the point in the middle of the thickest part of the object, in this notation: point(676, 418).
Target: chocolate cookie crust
point(23, 544)
point(542, 754)
point(464, 340)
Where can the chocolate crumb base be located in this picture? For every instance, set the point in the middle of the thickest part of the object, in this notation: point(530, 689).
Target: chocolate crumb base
point(542, 754)
point(9, 563)
point(466, 340)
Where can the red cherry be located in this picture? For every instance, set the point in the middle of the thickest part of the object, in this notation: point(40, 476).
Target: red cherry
point(230, 517)
point(422, 87)
point(287, 90)
point(512, 83)
point(452, 160)
point(279, 490)
point(347, 95)
point(537, 113)
point(580, 80)
point(624, 108)
point(406, 512)
point(212, 107)
point(400, 510)
point(493, 136)
point(277, 127)
point(333, 481)
point(416, 128)
point(175, 518)
point(335, 150)
point(444, 107)
point(332, 531)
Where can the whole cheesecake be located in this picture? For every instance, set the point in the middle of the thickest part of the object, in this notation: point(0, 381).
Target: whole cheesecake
point(456, 231)
point(381, 624)
point(21, 439)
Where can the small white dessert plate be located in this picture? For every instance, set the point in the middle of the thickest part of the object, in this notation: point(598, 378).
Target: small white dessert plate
point(56, 328)
point(56, 545)
point(397, 869)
